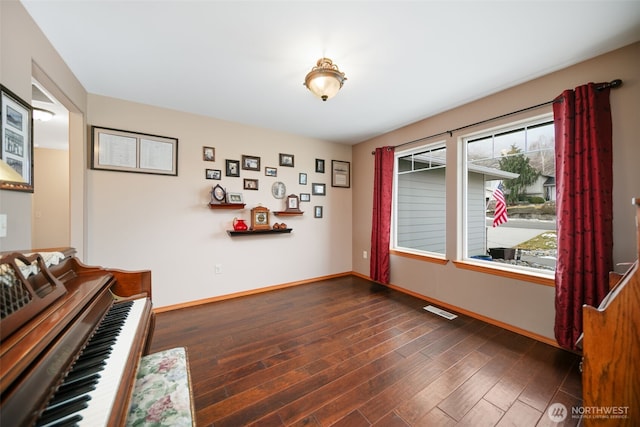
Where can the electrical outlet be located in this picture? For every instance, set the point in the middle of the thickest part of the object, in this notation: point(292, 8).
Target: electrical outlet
point(218, 269)
point(365, 255)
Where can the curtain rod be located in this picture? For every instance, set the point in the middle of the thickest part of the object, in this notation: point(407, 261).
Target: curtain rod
point(612, 84)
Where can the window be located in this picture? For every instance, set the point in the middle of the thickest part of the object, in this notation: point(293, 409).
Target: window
point(521, 160)
point(419, 200)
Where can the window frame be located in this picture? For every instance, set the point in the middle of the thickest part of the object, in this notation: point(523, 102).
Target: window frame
point(395, 249)
point(463, 260)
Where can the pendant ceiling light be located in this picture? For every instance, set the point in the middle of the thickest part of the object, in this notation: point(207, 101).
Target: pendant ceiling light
point(42, 114)
point(325, 79)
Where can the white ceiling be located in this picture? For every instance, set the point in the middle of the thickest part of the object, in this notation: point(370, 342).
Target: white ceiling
point(245, 61)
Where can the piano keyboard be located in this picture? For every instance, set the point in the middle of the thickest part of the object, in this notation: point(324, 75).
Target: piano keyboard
point(88, 391)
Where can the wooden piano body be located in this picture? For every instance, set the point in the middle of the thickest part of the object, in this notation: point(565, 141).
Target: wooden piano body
point(611, 351)
point(38, 349)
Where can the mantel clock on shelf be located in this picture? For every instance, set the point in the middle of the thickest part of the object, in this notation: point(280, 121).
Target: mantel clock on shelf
point(260, 218)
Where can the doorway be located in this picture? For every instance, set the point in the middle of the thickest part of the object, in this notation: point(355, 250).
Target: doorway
point(50, 214)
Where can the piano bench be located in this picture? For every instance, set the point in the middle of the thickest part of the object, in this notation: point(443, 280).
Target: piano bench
point(162, 392)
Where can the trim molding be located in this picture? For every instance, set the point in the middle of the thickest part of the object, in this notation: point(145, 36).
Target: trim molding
point(419, 257)
point(245, 293)
point(486, 319)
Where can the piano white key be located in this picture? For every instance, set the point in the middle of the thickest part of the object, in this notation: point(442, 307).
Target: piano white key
point(102, 398)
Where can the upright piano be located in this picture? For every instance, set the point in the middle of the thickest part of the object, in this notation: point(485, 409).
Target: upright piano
point(611, 351)
point(71, 338)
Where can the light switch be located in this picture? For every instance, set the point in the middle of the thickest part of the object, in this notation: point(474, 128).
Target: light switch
point(3, 225)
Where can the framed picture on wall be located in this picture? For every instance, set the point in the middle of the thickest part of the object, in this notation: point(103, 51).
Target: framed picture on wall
point(16, 145)
point(340, 174)
point(232, 168)
point(209, 154)
point(125, 151)
point(318, 189)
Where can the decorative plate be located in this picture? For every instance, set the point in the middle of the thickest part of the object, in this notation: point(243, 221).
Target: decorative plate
point(278, 189)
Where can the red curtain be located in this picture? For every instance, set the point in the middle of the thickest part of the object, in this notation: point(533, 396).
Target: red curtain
point(381, 223)
point(584, 183)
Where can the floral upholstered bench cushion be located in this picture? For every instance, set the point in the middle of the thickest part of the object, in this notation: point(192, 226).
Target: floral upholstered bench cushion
point(162, 392)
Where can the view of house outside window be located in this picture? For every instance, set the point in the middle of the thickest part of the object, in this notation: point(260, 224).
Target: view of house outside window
point(420, 196)
point(510, 196)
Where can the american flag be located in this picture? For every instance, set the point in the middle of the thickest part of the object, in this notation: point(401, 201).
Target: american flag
point(500, 214)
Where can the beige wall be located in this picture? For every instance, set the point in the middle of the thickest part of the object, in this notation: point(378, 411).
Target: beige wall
point(527, 306)
point(163, 223)
point(25, 51)
point(51, 199)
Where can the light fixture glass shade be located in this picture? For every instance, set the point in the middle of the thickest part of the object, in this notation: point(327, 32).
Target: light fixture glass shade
point(42, 115)
point(325, 79)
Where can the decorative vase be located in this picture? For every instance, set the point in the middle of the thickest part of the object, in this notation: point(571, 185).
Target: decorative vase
point(239, 225)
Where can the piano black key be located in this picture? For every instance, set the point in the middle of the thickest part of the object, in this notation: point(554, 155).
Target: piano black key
point(60, 411)
point(77, 388)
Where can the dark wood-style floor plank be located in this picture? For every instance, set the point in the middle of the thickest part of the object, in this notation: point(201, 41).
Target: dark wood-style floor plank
point(346, 352)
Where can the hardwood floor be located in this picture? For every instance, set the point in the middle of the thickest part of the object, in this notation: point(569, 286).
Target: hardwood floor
point(342, 352)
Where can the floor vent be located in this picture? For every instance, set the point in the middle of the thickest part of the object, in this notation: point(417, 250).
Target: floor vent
point(440, 312)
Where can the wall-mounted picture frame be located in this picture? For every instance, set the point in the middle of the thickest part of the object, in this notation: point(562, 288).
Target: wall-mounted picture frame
point(340, 174)
point(213, 174)
point(269, 171)
point(305, 197)
point(250, 163)
point(250, 184)
point(287, 160)
point(209, 154)
point(318, 189)
point(16, 145)
point(235, 198)
point(317, 211)
point(232, 168)
point(302, 178)
point(320, 165)
point(125, 151)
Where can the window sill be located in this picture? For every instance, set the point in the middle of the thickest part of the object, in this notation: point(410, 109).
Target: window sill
point(421, 257)
point(540, 279)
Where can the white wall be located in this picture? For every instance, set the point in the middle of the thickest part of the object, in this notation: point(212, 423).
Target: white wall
point(163, 223)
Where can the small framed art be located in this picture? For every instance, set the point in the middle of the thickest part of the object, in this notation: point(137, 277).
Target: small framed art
point(302, 178)
point(270, 171)
point(250, 163)
point(318, 189)
point(233, 168)
point(305, 197)
point(250, 184)
point(213, 174)
point(209, 154)
point(320, 165)
point(317, 211)
point(286, 160)
point(234, 198)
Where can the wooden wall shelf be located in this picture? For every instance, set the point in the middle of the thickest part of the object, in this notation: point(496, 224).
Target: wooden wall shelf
point(287, 213)
point(226, 205)
point(233, 233)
